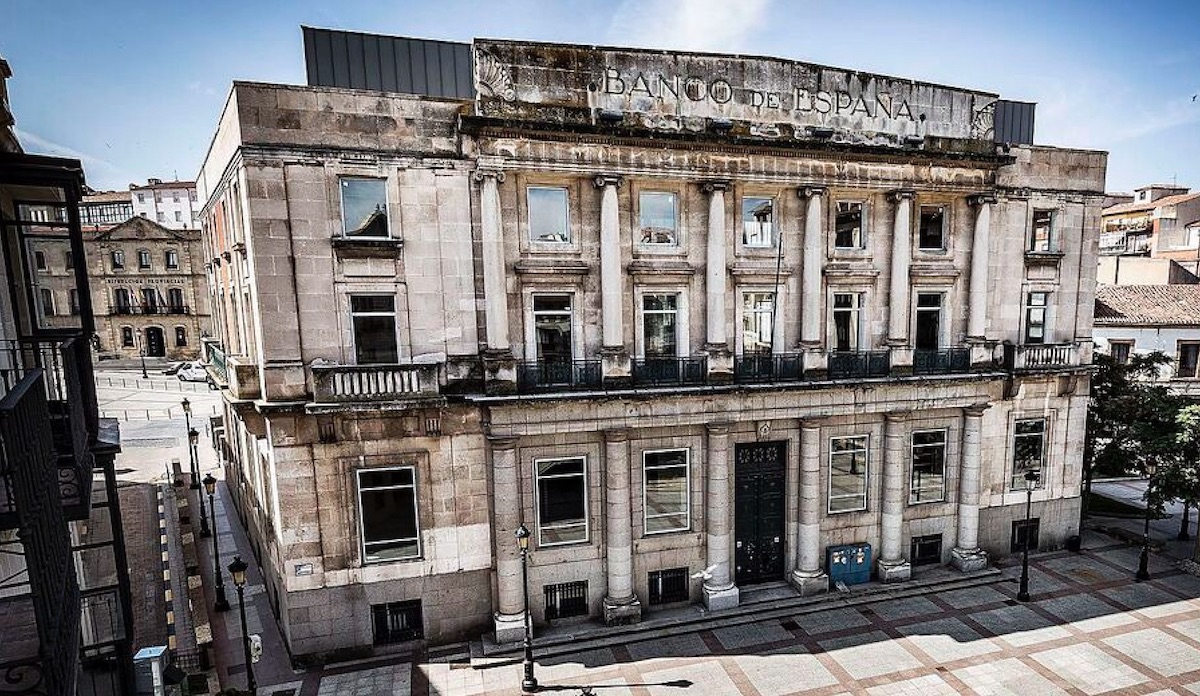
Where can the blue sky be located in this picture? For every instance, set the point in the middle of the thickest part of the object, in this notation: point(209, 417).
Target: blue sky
point(134, 88)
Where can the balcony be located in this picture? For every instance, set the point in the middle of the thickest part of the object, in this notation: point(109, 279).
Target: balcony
point(215, 361)
point(941, 362)
point(356, 383)
point(660, 372)
point(1041, 356)
point(860, 364)
point(547, 376)
point(144, 309)
point(752, 368)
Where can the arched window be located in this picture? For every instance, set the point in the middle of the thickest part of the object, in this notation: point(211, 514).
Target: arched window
point(47, 302)
point(180, 337)
point(127, 336)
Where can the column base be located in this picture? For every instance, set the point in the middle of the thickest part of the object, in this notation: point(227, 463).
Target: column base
point(510, 628)
point(499, 372)
point(898, 570)
point(622, 612)
point(969, 560)
point(720, 362)
point(718, 598)
point(809, 582)
point(816, 361)
point(615, 367)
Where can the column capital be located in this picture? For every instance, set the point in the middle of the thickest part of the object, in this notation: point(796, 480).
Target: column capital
point(896, 416)
point(719, 428)
point(897, 195)
point(714, 186)
point(616, 435)
point(602, 180)
point(810, 423)
point(481, 174)
point(976, 410)
point(979, 199)
point(502, 442)
point(811, 191)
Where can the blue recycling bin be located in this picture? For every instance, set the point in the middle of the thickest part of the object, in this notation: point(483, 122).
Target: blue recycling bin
point(848, 563)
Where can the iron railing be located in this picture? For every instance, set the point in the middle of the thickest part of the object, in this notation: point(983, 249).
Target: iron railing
point(785, 367)
point(215, 357)
point(149, 309)
point(940, 362)
point(341, 383)
point(867, 363)
point(669, 371)
point(551, 376)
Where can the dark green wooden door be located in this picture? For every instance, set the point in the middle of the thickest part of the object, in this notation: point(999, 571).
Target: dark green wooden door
point(759, 484)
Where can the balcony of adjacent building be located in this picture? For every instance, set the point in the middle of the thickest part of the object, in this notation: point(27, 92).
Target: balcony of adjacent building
point(234, 373)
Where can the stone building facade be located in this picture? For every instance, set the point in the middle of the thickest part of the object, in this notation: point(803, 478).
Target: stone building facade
point(697, 321)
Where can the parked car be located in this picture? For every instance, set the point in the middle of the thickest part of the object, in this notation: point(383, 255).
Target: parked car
point(192, 372)
point(173, 368)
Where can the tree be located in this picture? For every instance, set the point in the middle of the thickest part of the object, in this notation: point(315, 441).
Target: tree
point(1179, 471)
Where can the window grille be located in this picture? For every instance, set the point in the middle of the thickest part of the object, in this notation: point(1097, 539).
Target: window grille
point(566, 599)
point(667, 586)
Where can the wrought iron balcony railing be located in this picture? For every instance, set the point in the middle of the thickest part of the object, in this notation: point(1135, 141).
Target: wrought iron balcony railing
point(941, 362)
point(669, 371)
point(149, 309)
point(552, 376)
point(867, 363)
point(218, 366)
point(752, 367)
point(348, 383)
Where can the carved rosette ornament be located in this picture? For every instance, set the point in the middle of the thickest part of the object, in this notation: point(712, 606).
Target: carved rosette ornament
point(983, 125)
point(492, 78)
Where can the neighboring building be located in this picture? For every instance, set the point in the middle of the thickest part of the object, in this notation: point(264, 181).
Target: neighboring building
point(102, 209)
point(65, 600)
point(698, 321)
point(1154, 224)
point(171, 204)
point(1147, 318)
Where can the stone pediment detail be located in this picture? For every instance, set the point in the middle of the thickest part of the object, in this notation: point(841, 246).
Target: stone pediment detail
point(139, 228)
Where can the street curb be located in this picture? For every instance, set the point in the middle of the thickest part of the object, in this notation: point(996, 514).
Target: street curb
point(165, 549)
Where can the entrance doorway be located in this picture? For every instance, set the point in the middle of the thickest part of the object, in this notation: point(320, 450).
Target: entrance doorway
point(156, 347)
point(759, 511)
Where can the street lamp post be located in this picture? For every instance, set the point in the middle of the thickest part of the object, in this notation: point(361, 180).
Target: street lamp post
point(142, 357)
point(1032, 476)
point(529, 683)
point(192, 465)
point(1143, 571)
point(237, 570)
point(221, 604)
point(193, 438)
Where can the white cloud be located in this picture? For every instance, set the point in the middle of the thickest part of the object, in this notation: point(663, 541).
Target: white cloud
point(694, 25)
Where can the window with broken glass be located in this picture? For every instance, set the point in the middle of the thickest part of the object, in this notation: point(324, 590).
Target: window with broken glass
point(364, 207)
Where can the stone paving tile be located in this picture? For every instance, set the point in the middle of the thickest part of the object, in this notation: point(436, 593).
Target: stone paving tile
point(1019, 625)
point(1103, 623)
point(678, 645)
point(1157, 650)
point(946, 640)
point(928, 685)
point(600, 657)
point(972, 597)
point(1181, 606)
point(393, 679)
point(1129, 559)
point(1193, 687)
point(1139, 595)
point(746, 635)
point(1187, 585)
point(1191, 628)
point(1009, 677)
point(784, 672)
point(708, 677)
point(905, 608)
point(1083, 569)
point(872, 658)
point(1077, 607)
point(829, 621)
point(1089, 669)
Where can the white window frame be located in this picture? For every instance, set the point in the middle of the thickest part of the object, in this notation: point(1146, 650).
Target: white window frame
point(394, 314)
point(772, 233)
point(566, 190)
point(531, 354)
point(917, 310)
point(742, 313)
point(362, 534)
point(387, 205)
point(537, 501)
point(866, 474)
point(1052, 236)
point(687, 482)
point(912, 444)
point(945, 227)
point(862, 224)
point(682, 337)
point(1013, 485)
point(857, 313)
point(1028, 305)
point(675, 229)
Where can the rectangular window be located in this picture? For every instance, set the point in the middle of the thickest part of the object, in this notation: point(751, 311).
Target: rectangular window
point(926, 550)
point(387, 499)
point(162, 217)
point(126, 337)
point(848, 225)
point(141, 198)
point(929, 321)
point(118, 260)
point(1035, 317)
point(39, 260)
point(1025, 533)
point(180, 337)
point(178, 215)
point(667, 498)
point(552, 328)
point(172, 259)
point(364, 207)
point(565, 600)
point(847, 309)
point(373, 318)
point(758, 322)
point(658, 218)
point(69, 260)
point(758, 218)
point(660, 325)
point(1189, 360)
point(928, 482)
point(73, 301)
point(562, 500)
point(931, 235)
point(668, 586)
point(848, 473)
point(175, 299)
point(122, 301)
point(549, 214)
point(149, 300)
point(143, 259)
point(1042, 236)
point(1029, 448)
point(1120, 350)
point(47, 302)
point(396, 622)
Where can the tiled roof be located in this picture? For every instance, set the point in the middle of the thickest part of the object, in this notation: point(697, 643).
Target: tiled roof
point(163, 185)
point(108, 197)
point(1148, 305)
point(1149, 205)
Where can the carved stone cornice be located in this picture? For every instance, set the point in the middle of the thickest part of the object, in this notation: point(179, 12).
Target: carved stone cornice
point(976, 410)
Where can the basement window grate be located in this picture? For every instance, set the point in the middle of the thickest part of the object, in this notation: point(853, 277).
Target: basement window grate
point(566, 599)
point(667, 586)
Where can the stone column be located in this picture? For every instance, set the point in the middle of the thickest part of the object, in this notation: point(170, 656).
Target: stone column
point(720, 358)
point(719, 590)
point(613, 352)
point(506, 492)
point(500, 369)
point(812, 325)
point(892, 565)
point(898, 301)
point(967, 556)
point(621, 605)
point(808, 577)
point(977, 307)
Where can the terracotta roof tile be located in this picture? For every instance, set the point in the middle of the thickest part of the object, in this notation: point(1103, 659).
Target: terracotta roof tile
point(1150, 305)
point(1149, 205)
